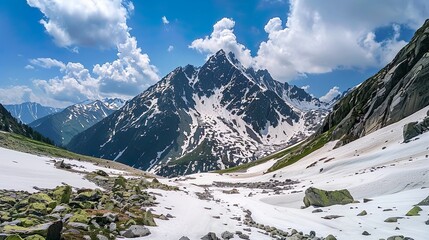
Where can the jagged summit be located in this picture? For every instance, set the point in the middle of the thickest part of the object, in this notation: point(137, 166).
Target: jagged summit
point(203, 118)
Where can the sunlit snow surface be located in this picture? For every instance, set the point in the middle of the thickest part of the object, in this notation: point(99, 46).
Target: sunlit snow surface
point(400, 181)
point(378, 166)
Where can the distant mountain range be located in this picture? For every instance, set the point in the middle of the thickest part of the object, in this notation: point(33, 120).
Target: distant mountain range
point(62, 126)
point(204, 118)
point(10, 124)
point(29, 111)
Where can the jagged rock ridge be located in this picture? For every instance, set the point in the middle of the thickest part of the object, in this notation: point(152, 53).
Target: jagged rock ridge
point(201, 119)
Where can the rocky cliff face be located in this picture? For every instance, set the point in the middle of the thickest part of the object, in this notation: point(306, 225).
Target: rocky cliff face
point(201, 119)
point(396, 91)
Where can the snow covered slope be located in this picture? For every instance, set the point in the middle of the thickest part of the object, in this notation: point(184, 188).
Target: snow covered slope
point(379, 166)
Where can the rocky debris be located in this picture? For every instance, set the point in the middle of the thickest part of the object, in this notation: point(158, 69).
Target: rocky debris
point(321, 198)
point(135, 231)
point(365, 200)
point(399, 237)
point(414, 211)
point(365, 233)
point(232, 191)
point(424, 202)
point(413, 129)
point(62, 213)
point(61, 164)
point(274, 184)
point(206, 195)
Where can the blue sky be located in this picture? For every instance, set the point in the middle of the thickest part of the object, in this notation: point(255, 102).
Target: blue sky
point(62, 52)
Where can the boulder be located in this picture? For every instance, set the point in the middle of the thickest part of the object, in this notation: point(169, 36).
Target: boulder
point(54, 231)
point(13, 237)
point(424, 202)
point(101, 173)
point(135, 231)
point(330, 237)
point(227, 235)
point(414, 211)
point(321, 198)
point(93, 195)
point(210, 236)
point(62, 194)
point(81, 217)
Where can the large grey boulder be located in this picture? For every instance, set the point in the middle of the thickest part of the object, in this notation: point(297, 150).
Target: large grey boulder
point(321, 198)
point(210, 236)
point(136, 231)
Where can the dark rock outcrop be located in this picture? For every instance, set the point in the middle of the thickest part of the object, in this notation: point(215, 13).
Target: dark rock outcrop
point(395, 92)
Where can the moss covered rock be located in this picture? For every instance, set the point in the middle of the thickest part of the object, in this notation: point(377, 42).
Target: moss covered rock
point(120, 183)
point(81, 217)
point(8, 200)
point(321, 198)
point(34, 237)
point(37, 208)
point(62, 194)
point(414, 211)
point(13, 237)
point(93, 195)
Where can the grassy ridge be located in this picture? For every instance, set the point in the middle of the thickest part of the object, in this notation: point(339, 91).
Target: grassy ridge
point(22, 144)
point(287, 156)
point(302, 150)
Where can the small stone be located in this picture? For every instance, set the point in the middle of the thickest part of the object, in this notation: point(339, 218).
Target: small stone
point(317, 210)
point(112, 227)
point(102, 237)
point(363, 213)
point(365, 200)
point(365, 233)
point(392, 219)
point(184, 238)
point(78, 225)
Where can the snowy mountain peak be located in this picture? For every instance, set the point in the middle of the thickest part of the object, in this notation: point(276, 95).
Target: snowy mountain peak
point(28, 112)
point(202, 119)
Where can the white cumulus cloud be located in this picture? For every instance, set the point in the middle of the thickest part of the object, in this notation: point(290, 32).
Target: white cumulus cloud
point(101, 23)
point(331, 94)
point(223, 37)
point(170, 48)
point(315, 39)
